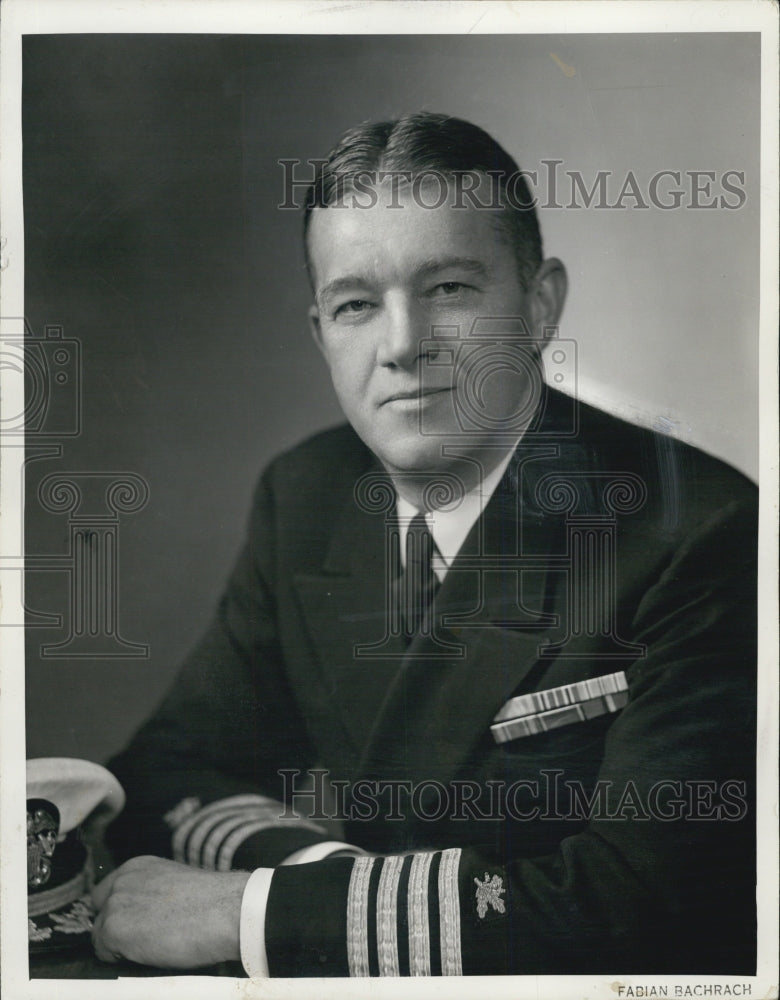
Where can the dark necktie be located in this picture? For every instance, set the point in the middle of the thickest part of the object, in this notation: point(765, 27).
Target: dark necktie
point(419, 583)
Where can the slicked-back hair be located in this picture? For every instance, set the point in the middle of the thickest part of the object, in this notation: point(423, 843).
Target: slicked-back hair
point(425, 142)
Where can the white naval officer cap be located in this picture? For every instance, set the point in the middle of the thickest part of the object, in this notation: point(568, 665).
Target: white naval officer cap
point(69, 804)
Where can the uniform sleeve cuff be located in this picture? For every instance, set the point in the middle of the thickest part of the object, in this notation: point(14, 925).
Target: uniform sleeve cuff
point(252, 929)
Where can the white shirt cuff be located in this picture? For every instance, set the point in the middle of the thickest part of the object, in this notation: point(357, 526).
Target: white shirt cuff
point(316, 852)
point(252, 928)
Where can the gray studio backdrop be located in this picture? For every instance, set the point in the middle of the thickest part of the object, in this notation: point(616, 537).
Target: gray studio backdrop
point(154, 241)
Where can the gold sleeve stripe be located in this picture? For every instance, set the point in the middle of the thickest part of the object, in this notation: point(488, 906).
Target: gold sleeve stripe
point(232, 832)
point(449, 913)
point(417, 909)
point(212, 830)
point(182, 831)
point(387, 916)
point(357, 917)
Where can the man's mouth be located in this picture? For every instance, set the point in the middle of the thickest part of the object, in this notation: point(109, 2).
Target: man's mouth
point(416, 395)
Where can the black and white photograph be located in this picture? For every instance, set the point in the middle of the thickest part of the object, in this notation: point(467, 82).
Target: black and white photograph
point(389, 499)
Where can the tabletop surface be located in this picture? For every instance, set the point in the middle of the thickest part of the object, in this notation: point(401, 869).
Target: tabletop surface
point(81, 963)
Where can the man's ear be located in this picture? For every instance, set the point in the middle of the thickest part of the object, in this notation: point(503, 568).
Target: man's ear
point(316, 329)
point(547, 294)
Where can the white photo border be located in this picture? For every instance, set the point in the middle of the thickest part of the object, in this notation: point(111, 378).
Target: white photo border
point(22, 17)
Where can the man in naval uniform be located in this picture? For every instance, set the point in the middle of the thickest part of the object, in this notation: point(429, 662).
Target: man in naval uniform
point(513, 636)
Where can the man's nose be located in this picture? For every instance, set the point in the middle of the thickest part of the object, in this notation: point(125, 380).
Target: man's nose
point(406, 331)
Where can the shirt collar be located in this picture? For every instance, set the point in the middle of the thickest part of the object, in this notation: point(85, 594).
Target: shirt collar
point(450, 528)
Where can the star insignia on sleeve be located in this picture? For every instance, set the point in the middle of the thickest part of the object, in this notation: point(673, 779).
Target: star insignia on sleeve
point(489, 893)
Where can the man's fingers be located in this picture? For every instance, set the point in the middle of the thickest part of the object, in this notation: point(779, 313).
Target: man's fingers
point(103, 952)
point(102, 890)
point(100, 894)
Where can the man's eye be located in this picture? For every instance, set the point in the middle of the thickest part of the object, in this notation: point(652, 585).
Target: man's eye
point(353, 307)
point(449, 288)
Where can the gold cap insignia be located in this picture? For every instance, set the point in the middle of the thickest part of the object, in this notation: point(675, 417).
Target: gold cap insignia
point(43, 825)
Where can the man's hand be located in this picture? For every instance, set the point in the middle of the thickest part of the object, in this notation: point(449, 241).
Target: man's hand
point(168, 915)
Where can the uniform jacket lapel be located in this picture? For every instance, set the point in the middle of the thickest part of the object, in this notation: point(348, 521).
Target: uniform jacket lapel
point(344, 606)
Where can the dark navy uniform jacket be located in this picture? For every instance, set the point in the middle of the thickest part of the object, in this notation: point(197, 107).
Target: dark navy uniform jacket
point(623, 843)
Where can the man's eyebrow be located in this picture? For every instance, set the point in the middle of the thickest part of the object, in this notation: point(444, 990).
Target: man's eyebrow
point(343, 284)
point(471, 264)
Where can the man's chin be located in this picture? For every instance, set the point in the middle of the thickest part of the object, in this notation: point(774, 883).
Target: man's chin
point(422, 456)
